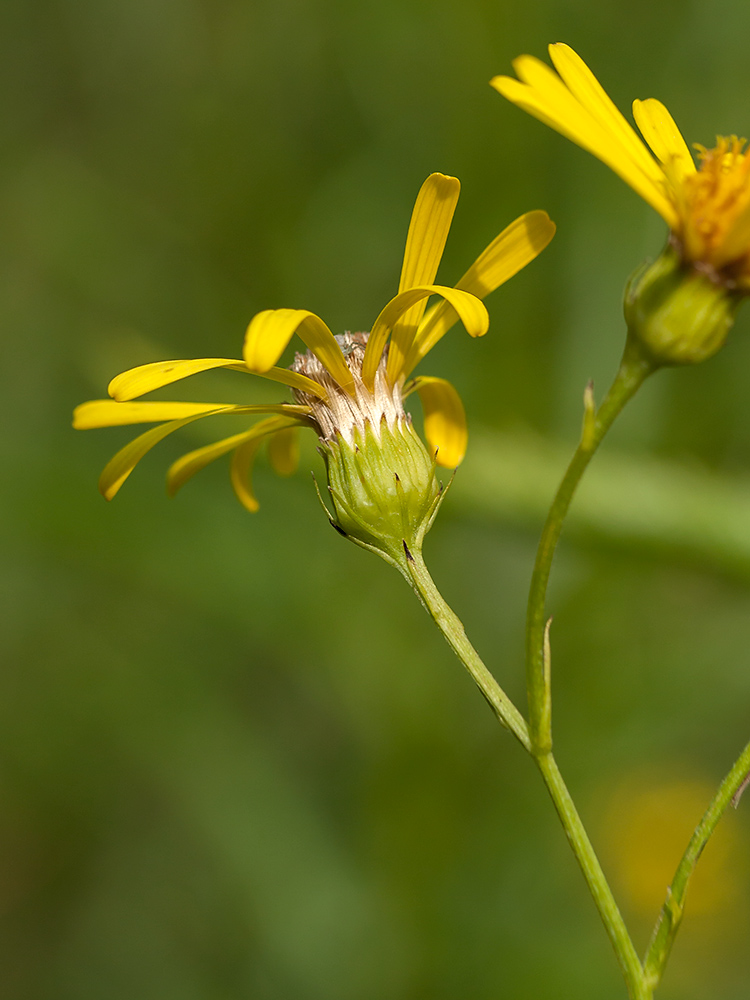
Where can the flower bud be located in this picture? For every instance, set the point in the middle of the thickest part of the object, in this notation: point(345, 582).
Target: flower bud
point(384, 489)
point(678, 313)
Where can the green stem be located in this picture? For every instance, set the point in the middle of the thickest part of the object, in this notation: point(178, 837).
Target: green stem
point(634, 369)
point(627, 956)
point(536, 738)
point(511, 718)
point(451, 627)
point(670, 917)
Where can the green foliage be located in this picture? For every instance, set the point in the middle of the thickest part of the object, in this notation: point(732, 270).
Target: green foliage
point(235, 761)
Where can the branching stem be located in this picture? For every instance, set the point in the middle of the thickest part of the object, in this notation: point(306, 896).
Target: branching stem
point(452, 628)
point(634, 369)
point(670, 917)
point(536, 736)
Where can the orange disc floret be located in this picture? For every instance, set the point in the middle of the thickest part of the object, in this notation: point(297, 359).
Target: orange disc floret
point(716, 211)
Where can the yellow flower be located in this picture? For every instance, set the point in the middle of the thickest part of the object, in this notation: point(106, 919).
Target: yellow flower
point(346, 386)
point(707, 207)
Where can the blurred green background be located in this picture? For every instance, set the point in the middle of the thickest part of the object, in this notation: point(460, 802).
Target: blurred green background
point(236, 758)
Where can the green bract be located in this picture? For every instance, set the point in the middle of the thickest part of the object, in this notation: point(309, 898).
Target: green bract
point(678, 314)
point(384, 490)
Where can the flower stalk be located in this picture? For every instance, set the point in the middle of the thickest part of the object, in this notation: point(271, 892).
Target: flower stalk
point(455, 635)
point(536, 735)
point(632, 970)
point(670, 917)
point(634, 368)
point(349, 389)
point(509, 716)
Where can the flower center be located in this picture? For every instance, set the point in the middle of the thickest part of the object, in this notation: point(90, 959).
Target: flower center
point(717, 206)
point(343, 414)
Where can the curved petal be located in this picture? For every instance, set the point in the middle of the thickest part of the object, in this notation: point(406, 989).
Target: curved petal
point(516, 246)
point(444, 419)
point(428, 230)
point(585, 87)
point(660, 131)
point(470, 310)
point(271, 330)
point(296, 380)
point(119, 467)
point(283, 450)
point(108, 413)
point(187, 466)
point(138, 381)
point(239, 473)
point(584, 113)
point(122, 464)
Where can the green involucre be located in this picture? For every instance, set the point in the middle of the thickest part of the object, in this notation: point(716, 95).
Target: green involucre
point(680, 315)
point(384, 489)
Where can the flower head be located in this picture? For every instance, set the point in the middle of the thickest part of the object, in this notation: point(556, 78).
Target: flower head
point(348, 389)
point(706, 205)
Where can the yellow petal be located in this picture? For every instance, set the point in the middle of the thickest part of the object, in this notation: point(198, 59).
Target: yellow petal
point(146, 378)
point(271, 330)
point(660, 131)
point(187, 466)
point(283, 451)
point(122, 464)
point(239, 471)
point(516, 246)
point(108, 413)
point(586, 88)
point(428, 230)
point(193, 461)
point(444, 419)
point(566, 114)
point(297, 381)
point(584, 113)
point(524, 97)
point(470, 310)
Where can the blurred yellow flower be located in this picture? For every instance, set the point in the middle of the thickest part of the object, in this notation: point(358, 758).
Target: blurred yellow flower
point(342, 385)
point(648, 823)
point(707, 207)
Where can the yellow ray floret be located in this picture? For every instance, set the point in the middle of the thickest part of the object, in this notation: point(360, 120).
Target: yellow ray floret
point(575, 104)
point(444, 419)
point(428, 231)
point(239, 473)
point(660, 131)
point(343, 385)
point(271, 330)
point(187, 466)
point(469, 308)
point(145, 378)
point(122, 464)
point(515, 247)
point(283, 450)
point(707, 207)
point(108, 413)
